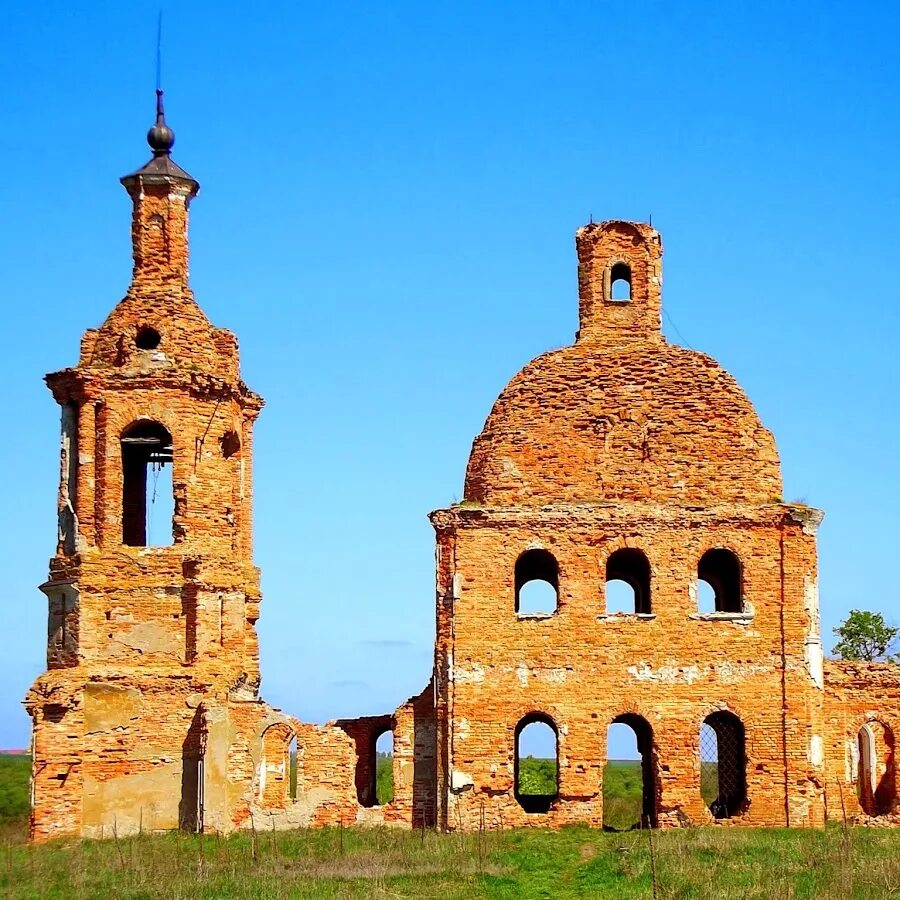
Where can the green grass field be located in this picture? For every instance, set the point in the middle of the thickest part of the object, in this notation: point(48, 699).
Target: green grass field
point(689, 864)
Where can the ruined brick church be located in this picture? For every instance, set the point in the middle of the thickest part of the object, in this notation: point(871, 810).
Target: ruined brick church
point(621, 458)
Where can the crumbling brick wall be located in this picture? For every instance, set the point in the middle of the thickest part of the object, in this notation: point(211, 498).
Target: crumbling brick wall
point(246, 759)
point(862, 717)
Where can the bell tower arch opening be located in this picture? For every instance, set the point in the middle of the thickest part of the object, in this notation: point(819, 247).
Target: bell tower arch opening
point(148, 498)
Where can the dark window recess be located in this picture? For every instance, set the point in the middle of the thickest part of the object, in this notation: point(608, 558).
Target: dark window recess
point(536, 763)
point(147, 339)
point(146, 454)
point(620, 282)
point(292, 763)
point(720, 569)
point(723, 778)
point(231, 444)
point(537, 582)
point(628, 582)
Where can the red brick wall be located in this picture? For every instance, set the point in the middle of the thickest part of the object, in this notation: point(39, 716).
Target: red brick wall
point(860, 694)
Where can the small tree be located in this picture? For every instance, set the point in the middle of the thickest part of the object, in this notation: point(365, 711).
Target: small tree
point(865, 635)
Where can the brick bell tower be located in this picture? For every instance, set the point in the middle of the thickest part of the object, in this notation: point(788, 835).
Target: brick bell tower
point(156, 425)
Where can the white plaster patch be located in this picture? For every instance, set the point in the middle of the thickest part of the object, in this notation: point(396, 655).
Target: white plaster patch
point(851, 761)
point(665, 674)
point(510, 468)
point(814, 655)
point(816, 750)
point(729, 673)
point(554, 676)
point(459, 781)
point(815, 662)
point(473, 674)
point(463, 729)
point(522, 674)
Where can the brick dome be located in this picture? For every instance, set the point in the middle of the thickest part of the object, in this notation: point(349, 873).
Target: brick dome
point(621, 414)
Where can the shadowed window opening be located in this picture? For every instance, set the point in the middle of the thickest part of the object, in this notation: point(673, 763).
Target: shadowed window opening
point(147, 339)
point(629, 777)
point(875, 777)
point(384, 768)
point(628, 582)
point(537, 582)
point(292, 761)
point(720, 571)
point(536, 763)
point(231, 444)
point(723, 777)
point(148, 497)
point(620, 282)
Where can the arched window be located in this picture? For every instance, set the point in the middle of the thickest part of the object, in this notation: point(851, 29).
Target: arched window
point(629, 777)
point(719, 582)
point(384, 768)
point(620, 282)
point(148, 497)
point(628, 582)
point(723, 763)
point(537, 582)
point(536, 763)
point(875, 777)
point(275, 766)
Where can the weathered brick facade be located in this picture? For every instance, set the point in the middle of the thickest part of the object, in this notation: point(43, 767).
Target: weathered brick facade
point(621, 458)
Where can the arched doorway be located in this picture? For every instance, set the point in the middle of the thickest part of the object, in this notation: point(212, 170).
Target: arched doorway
point(629, 776)
point(536, 763)
point(723, 764)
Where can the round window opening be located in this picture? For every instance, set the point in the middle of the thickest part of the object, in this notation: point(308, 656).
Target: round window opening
point(147, 339)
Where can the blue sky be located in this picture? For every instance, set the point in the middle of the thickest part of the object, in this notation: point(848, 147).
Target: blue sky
point(386, 219)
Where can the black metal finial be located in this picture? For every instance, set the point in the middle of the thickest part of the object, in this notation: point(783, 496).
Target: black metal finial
point(160, 137)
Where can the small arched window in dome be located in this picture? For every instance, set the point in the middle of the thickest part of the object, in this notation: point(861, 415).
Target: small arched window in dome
point(147, 338)
point(620, 283)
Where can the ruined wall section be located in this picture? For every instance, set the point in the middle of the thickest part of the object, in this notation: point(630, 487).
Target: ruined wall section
point(860, 694)
point(247, 759)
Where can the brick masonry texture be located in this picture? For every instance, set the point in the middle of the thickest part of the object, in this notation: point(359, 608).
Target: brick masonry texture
point(618, 457)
